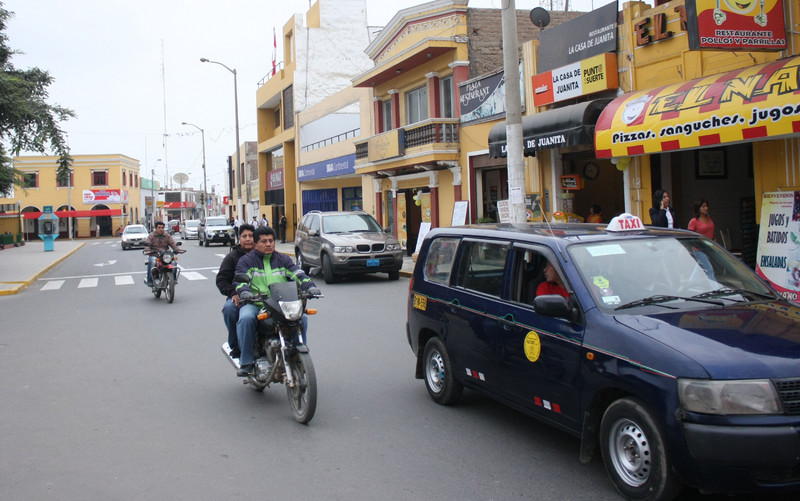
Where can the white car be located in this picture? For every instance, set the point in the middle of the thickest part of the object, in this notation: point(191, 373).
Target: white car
point(134, 235)
point(189, 229)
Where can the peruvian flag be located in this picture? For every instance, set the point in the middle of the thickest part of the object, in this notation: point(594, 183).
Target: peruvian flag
point(274, 50)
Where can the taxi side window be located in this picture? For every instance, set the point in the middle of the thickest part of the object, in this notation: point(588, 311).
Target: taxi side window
point(482, 267)
point(528, 266)
point(439, 261)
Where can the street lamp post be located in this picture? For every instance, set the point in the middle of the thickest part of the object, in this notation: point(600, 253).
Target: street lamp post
point(204, 198)
point(238, 162)
point(152, 196)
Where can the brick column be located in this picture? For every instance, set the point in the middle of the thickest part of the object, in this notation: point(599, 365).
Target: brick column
point(460, 74)
point(377, 107)
point(434, 97)
point(395, 108)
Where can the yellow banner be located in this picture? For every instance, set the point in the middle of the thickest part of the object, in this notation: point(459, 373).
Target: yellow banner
point(753, 103)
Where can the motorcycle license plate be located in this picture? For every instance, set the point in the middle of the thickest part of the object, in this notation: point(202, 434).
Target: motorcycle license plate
point(373, 262)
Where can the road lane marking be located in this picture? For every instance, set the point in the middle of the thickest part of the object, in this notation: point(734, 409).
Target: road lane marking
point(123, 280)
point(53, 285)
point(193, 275)
point(88, 282)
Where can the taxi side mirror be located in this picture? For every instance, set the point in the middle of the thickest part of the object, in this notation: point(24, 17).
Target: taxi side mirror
point(552, 305)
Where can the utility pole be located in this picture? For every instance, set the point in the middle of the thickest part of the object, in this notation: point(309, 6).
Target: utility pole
point(514, 159)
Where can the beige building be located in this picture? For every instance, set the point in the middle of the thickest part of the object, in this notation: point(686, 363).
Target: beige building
point(102, 196)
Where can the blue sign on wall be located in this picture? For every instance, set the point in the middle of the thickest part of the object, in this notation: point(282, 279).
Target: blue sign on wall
point(327, 168)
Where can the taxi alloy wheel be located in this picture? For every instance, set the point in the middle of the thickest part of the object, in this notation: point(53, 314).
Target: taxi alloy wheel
point(634, 454)
point(439, 379)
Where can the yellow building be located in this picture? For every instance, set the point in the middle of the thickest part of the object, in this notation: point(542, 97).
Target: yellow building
point(102, 196)
point(320, 54)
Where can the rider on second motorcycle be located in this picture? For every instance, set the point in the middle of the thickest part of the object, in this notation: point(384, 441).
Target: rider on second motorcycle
point(264, 266)
point(158, 241)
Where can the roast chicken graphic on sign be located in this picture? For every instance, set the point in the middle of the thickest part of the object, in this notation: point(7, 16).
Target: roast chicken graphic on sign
point(745, 8)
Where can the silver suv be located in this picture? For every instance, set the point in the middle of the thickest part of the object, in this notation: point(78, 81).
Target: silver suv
point(215, 229)
point(346, 243)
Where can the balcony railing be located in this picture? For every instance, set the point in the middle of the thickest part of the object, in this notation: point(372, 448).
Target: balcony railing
point(331, 140)
point(431, 131)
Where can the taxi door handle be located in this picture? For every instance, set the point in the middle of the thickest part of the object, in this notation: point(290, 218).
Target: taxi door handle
point(506, 323)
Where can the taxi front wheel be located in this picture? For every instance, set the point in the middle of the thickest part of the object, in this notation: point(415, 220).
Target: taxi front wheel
point(634, 454)
point(439, 379)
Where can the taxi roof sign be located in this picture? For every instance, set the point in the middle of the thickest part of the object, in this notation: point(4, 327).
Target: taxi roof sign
point(625, 222)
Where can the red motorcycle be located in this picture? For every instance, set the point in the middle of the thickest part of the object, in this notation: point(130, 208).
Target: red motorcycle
point(164, 272)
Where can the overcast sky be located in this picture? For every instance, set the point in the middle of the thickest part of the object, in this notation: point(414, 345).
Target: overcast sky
point(107, 56)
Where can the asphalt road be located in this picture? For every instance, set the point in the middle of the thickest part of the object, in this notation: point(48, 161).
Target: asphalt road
point(109, 393)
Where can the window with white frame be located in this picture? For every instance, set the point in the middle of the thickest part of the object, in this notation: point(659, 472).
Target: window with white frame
point(417, 105)
point(446, 96)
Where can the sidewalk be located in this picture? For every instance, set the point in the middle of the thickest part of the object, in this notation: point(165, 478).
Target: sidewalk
point(21, 266)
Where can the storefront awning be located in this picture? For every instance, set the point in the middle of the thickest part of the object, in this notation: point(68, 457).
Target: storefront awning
point(748, 104)
point(571, 125)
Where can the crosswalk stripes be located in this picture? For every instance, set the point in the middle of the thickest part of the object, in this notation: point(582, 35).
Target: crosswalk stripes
point(53, 285)
point(123, 280)
point(84, 282)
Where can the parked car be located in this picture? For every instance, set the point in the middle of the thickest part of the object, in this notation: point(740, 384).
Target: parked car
point(173, 226)
point(189, 229)
point(133, 235)
point(346, 243)
point(668, 355)
point(215, 229)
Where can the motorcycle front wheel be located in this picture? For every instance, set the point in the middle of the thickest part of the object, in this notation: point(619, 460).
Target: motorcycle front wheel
point(169, 290)
point(303, 397)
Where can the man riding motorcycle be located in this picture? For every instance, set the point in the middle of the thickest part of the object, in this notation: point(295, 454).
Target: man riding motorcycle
point(158, 240)
point(263, 266)
point(230, 312)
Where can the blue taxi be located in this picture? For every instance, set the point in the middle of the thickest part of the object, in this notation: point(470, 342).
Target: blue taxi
point(659, 349)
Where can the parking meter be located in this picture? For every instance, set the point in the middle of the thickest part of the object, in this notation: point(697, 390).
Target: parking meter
point(48, 227)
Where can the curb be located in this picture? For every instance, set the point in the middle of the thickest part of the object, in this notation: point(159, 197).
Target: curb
point(22, 285)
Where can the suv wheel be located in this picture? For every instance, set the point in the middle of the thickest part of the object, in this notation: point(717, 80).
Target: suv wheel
point(301, 263)
point(394, 275)
point(327, 270)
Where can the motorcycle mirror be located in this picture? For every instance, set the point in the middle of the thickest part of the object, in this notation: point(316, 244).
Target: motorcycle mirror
point(179, 243)
point(241, 278)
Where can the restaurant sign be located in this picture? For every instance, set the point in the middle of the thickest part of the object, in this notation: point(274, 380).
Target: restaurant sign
point(736, 25)
point(753, 103)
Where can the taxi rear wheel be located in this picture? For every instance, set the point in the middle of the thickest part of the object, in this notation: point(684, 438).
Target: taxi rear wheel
point(634, 454)
point(439, 379)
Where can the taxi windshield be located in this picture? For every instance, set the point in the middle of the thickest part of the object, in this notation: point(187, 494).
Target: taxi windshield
point(642, 276)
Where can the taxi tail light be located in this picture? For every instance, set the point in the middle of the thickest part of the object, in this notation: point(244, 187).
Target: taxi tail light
point(263, 316)
point(311, 311)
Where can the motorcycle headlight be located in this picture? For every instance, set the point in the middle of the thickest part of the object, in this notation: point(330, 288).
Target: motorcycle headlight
point(753, 396)
point(292, 310)
point(167, 258)
point(343, 248)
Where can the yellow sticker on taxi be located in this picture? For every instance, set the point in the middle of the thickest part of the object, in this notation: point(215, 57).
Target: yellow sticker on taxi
point(420, 302)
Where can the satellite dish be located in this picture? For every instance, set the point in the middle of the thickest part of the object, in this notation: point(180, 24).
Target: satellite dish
point(180, 178)
point(540, 17)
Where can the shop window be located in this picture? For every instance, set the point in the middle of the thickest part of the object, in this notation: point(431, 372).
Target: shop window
point(446, 96)
point(321, 200)
point(351, 198)
point(99, 178)
point(417, 105)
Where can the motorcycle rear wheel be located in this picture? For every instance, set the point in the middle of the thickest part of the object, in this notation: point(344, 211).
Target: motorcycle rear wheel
point(303, 397)
point(169, 290)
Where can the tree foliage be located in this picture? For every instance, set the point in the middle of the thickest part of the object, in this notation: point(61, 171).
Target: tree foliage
point(27, 121)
